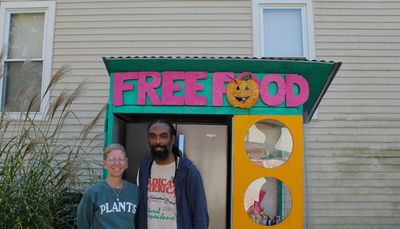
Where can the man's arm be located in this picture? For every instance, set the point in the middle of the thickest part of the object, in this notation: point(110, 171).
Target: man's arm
point(197, 200)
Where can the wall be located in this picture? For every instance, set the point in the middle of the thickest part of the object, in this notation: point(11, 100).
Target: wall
point(353, 149)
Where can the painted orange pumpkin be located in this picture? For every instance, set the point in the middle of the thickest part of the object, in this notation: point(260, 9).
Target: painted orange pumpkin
point(242, 93)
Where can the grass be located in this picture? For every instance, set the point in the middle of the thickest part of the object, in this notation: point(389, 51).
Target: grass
point(40, 169)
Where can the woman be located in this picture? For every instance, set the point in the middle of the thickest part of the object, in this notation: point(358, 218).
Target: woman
point(111, 203)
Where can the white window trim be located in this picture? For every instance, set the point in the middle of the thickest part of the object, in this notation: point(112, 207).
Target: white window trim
point(49, 8)
point(308, 25)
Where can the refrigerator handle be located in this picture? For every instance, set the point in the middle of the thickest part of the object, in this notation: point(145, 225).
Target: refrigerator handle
point(181, 143)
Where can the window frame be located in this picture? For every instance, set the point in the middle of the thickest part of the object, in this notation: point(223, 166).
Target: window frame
point(307, 24)
point(48, 8)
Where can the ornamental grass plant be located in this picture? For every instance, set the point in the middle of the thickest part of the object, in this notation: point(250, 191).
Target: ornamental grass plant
point(40, 168)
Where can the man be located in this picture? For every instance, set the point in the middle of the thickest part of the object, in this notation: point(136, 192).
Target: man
point(171, 189)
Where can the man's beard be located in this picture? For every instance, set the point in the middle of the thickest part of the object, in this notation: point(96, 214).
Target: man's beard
point(159, 155)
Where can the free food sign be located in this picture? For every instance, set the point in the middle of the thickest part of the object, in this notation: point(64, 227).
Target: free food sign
point(198, 88)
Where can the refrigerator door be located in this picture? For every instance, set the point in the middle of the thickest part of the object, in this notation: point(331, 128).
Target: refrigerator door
point(207, 147)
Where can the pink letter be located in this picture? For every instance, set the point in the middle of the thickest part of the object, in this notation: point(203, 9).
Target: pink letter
point(191, 88)
point(218, 86)
point(280, 94)
point(293, 100)
point(120, 86)
point(168, 88)
point(148, 88)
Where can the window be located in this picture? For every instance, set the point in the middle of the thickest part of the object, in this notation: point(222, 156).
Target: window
point(283, 29)
point(26, 38)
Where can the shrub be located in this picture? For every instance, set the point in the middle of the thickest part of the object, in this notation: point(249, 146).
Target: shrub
point(39, 168)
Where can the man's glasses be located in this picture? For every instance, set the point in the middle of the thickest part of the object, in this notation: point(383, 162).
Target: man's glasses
point(115, 160)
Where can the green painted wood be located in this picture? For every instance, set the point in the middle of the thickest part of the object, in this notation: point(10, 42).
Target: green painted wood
point(319, 75)
point(204, 110)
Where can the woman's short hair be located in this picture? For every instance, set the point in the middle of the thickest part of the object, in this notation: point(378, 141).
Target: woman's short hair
point(112, 147)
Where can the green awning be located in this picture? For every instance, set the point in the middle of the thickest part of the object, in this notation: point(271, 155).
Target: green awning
point(319, 74)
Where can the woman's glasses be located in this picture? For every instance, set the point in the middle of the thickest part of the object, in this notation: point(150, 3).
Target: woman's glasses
point(115, 160)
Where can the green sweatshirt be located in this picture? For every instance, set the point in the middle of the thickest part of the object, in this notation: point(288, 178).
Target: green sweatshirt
point(100, 209)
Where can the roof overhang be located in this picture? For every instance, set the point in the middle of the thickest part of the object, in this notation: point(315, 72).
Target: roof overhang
point(319, 74)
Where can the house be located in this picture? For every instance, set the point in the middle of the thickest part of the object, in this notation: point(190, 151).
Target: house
point(352, 145)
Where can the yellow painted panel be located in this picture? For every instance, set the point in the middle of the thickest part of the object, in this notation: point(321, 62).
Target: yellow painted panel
point(245, 171)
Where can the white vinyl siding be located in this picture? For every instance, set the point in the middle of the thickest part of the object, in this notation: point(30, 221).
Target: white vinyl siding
point(353, 149)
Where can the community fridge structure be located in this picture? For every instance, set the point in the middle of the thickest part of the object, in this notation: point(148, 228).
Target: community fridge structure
point(239, 119)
